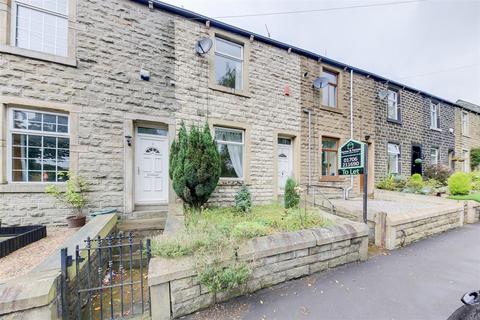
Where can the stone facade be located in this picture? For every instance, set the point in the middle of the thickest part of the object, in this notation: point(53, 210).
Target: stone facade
point(465, 142)
point(413, 130)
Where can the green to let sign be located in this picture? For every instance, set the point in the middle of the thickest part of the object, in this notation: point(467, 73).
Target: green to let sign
point(351, 158)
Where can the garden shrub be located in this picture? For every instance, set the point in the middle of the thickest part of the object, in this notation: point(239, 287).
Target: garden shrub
point(243, 200)
point(292, 198)
point(475, 158)
point(217, 278)
point(475, 175)
point(194, 165)
point(460, 183)
point(250, 229)
point(415, 183)
point(439, 172)
point(392, 183)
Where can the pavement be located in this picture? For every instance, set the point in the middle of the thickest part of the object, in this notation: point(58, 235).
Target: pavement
point(422, 281)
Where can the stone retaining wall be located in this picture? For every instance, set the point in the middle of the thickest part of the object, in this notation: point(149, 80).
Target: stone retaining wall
point(175, 290)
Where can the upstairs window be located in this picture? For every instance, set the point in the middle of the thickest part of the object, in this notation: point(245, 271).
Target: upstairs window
point(393, 105)
point(393, 152)
point(39, 146)
point(228, 64)
point(230, 143)
point(434, 156)
point(329, 156)
point(329, 93)
point(465, 127)
point(434, 115)
point(41, 25)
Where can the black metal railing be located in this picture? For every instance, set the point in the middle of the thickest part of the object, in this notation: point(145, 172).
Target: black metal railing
point(14, 238)
point(110, 278)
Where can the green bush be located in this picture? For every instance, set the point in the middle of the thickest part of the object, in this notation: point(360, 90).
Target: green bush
point(75, 195)
point(439, 172)
point(243, 200)
point(250, 229)
point(392, 183)
point(194, 165)
point(460, 183)
point(475, 175)
point(217, 278)
point(415, 183)
point(475, 158)
point(292, 198)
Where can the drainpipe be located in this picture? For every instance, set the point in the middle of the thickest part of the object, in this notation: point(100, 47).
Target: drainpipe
point(309, 146)
point(346, 192)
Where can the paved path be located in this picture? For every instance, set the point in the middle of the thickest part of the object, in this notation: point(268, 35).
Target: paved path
point(422, 281)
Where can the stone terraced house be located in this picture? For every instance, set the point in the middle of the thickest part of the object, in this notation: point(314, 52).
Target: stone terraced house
point(467, 127)
point(100, 88)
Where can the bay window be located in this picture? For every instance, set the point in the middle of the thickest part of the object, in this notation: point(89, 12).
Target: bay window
point(393, 152)
point(39, 146)
point(231, 146)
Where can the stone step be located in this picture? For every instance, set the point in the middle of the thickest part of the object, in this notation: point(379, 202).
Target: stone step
point(136, 225)
point(147, 214)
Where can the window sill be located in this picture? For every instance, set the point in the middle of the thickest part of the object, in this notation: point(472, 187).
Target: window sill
point(21, 187)
point(436, 129)
point(394, 121)
point(466, 136)
point(68, 61)
point(241, 93)
point(331, 109)
point(230, 182)
point(331, 179)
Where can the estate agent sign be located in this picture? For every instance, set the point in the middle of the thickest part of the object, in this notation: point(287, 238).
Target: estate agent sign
point(351, 158)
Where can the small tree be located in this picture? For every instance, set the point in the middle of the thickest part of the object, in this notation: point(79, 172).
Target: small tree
point(194, 165)
point(74, 196)
point(243, 200)
point(292, 198)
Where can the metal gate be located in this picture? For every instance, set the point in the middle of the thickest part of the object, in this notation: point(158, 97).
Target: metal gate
point(109, 279)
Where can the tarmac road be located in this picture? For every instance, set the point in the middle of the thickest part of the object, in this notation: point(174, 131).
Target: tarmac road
point(422, 281)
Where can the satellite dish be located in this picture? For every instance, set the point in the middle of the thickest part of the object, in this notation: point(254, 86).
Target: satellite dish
point(320, 82)
point(203, 45)
point(382, 94)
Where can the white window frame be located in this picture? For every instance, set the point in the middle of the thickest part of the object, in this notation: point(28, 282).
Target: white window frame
point(466, 160)
point(242, 131)
point(225, 55)
point(465, 124)
point(397, 156)
point(327, 89)
point(11, 130)
point(396, 105)
point(434, 116)
point(437, 156)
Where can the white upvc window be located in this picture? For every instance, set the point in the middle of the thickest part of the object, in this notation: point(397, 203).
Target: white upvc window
point(231, 146)
point(228, 64)
point(434, 115)
point(434, 156)
point(329, 93)
point(466, 161)
point(393, 152)
point(465, 126)
point(38, 146)
point(393, 106)
point(41, 25)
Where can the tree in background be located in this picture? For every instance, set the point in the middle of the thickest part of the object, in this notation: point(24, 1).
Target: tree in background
point(194, 165)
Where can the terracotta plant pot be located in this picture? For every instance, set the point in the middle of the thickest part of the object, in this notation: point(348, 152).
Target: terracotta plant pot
point(76, 222)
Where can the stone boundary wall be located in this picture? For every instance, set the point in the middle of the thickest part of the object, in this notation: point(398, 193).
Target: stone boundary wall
point(37, 295)
point(175, 290)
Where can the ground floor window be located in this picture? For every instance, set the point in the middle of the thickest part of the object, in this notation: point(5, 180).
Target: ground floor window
point(466, 161)
point(231, 146)
point(393, 151)
point(329, 156)
point(39, 146)
point(434, 154)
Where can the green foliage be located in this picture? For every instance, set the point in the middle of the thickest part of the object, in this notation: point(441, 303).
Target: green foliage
point(472, 196)
point(250, 229)
point(475, 175)
point(217, 278)
point(292, 198)
point(75, 195)
point(415, 183)
point(475, 158)
point(392, 183)
point(460, 183)
point(243, 200)
point(194, 165)
point(439, 172)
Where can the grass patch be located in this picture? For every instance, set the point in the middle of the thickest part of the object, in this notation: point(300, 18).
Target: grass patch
point(472, 196)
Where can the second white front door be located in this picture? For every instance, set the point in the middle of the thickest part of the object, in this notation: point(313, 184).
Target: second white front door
point(151, 166)
point(285, 162)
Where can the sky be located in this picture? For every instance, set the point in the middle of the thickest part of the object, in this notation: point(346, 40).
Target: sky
point(431, 45)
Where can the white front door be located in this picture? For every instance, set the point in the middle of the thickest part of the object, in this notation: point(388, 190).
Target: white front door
point(285, 162)
point(151, 166)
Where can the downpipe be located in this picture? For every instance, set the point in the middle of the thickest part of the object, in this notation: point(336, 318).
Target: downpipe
point(346, 192)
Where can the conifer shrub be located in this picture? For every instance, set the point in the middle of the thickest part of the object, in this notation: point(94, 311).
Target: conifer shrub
point(243, 200)
point(194, 165)
point(292, 198)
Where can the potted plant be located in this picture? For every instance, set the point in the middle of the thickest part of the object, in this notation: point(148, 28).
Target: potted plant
point(74, 197)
